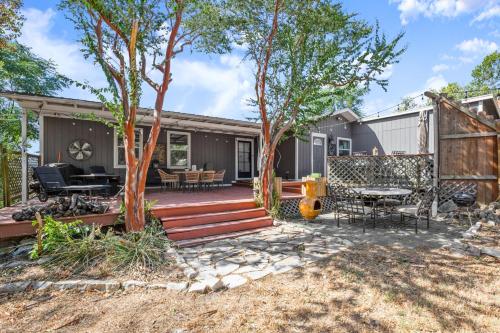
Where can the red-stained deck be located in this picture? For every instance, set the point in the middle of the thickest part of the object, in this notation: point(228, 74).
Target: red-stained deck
point(167, 203)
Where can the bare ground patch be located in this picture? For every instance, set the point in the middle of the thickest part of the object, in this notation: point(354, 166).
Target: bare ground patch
point(367, 288)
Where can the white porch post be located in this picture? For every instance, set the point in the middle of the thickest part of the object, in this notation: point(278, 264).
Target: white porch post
point(24, 156)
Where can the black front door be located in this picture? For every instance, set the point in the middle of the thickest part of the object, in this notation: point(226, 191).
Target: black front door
point(244, 156)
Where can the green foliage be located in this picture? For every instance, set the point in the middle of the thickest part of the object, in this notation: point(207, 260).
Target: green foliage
point(11, 21)
point(407, 103)
point(78, 247)
point(145, 249)
point(321, 56)
point(24, 72)
point(201, 29)
point(487, 73)
point(56, 234)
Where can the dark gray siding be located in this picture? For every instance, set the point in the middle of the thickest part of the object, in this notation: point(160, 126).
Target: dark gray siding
point(60, 132)
point(213, 148)
point(333, 127)
point(390, 134)
point(284, 162)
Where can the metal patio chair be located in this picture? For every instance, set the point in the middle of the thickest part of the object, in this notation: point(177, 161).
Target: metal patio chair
point(422, 209)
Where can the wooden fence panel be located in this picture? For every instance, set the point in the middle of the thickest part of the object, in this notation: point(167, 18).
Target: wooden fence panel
point(468, 150)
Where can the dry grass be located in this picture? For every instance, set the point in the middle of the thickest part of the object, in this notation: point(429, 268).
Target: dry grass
point(366, 289)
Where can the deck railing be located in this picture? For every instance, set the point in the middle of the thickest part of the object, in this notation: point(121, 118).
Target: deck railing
point(11, 175)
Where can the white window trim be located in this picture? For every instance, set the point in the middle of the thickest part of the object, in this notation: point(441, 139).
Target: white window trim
point(236, 157)
point(325, 142)
point(169, 159)
point(115, 148)
point(345, 139)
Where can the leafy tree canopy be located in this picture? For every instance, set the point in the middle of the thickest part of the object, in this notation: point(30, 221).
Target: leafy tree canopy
point(487, 73)
point(24, 72)
point(11, 21)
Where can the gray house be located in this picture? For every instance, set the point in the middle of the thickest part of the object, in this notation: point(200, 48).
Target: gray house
point(188, 140)
point(185, 140)
point(344, 133)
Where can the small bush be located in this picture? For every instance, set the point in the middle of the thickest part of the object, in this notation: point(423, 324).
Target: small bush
point(79, 247)
point(140, 250)
point(55, 233)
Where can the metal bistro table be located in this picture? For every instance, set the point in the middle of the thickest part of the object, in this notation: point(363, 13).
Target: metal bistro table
point(381, 192)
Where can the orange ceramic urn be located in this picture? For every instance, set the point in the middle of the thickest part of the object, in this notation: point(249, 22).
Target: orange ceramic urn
point(310, 206)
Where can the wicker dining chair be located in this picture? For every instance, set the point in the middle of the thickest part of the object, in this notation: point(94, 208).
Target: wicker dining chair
point(191, 180)
point(219, 177)
point(168, 180)
point(207, 179)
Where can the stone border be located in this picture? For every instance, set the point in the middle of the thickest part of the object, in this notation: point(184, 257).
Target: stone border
point(460, 248)
point(83, 285)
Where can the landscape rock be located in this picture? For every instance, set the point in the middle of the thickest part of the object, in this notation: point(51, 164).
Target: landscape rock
point(448, 207)
point(42, 285)
point(224, 267)
point(131, 284)
point(177, 286)
point(491, 252)
point(14, 287)
point(66, 284)
point(233, 281)
point(102, 285)
point(198, 287)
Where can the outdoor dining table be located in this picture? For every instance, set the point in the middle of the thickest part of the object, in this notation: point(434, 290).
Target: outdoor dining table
point(382, 192)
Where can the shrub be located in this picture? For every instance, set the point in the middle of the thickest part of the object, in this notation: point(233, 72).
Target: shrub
point(79, 247)
point(55, 233)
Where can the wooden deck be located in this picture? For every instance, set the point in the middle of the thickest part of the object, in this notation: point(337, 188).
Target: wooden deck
point(167, 203)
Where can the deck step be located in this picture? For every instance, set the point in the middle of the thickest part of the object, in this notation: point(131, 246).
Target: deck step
point(244, 183)
point(198, 219)
point(292, 183)
point(292, 189)
point(208, 239)
point(197, 231)
point(203, 208)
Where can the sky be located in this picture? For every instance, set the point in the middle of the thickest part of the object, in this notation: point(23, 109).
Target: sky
point(445, 40)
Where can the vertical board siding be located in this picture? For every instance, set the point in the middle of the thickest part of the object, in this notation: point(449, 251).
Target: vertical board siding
point(285, 166)
point(333, 127)
point(398, 133)
point(217, 149)
point(475, 156)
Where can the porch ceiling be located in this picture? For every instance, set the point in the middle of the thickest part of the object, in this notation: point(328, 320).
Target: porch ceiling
point(74, 108)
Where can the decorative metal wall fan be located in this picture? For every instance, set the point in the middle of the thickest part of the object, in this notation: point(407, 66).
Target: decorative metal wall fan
point(80, 150)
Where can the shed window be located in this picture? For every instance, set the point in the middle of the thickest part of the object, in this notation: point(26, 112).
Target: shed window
point(119, 148)
point(179, 150)
point(344, 147)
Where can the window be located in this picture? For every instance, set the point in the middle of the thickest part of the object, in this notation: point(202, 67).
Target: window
point(178, 150)
point(344, 146)
point(119, 148)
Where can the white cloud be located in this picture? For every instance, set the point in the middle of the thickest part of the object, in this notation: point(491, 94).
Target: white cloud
point(477, 46)
point(228, 84)
point(386, 73)
point(36, 33)
point(487, 14)
point(412, 9)
point(440, 68)
point(435, 82)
